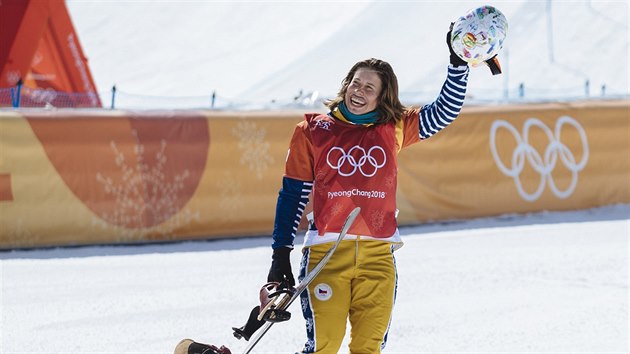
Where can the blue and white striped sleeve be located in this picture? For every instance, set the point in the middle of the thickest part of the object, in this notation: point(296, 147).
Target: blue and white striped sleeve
point(292, 200)
point(443, 111)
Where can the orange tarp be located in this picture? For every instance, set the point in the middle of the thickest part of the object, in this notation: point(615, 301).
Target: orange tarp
point(38, 44)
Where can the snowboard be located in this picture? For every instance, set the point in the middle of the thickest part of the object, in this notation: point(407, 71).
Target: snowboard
point(278, 305)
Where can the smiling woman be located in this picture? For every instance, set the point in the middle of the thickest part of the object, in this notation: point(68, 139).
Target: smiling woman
point(354, 148)
point(362, 94)
point(344, 159)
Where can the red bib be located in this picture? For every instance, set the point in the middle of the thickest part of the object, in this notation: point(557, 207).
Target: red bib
point(351, 165)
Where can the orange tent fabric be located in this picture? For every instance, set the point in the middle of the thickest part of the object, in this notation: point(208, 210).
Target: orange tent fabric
point(38, 45)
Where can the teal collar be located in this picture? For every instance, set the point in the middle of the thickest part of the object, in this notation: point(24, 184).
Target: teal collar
point(366, 118)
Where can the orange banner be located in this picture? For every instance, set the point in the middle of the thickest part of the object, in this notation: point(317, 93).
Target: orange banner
point(91, 177)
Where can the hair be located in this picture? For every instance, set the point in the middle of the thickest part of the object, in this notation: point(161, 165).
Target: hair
point(389, 107)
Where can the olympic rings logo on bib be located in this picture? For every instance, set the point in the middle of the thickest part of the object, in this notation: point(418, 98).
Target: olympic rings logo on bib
point(556, 151)
point(356, 159)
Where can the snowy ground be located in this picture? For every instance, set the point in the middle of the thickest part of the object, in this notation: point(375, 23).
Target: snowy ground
point(543, 283)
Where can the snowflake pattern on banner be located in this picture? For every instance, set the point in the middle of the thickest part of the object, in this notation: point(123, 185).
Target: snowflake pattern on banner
point(254, 149)
point(144, 196)
point(230, 197)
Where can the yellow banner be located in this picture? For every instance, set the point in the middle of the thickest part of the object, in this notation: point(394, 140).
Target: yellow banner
point(518, 159)
point(91, 177)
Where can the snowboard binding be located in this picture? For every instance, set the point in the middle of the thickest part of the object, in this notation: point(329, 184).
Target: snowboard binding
point(273, 297)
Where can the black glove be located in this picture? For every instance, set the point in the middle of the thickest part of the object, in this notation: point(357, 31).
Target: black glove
point(455, 60)
point(281, 266)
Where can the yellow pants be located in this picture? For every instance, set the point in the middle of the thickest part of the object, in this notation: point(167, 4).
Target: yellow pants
point(359, 284)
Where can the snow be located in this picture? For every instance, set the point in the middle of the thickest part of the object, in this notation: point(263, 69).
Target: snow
point(252, 53)
point(553, 282)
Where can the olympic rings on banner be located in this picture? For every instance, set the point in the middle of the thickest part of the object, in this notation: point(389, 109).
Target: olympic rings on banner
point(544, 165)
point(357, 163)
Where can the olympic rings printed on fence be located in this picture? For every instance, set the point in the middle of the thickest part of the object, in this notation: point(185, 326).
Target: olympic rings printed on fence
point(544, 165)
point(348, 159)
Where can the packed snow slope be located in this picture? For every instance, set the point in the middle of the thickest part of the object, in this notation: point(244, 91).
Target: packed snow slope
point(259, 51)
point(543, 283)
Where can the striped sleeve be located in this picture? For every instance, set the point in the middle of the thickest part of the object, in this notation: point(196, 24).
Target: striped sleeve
point(443, 111)
point(292, 200)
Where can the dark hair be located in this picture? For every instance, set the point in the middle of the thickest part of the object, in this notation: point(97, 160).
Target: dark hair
point(389, 106)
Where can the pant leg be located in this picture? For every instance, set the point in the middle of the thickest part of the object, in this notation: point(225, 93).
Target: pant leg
point(373, 296)
point(326, 304)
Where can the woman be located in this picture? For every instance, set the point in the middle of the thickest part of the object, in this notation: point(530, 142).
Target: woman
point(343, 159)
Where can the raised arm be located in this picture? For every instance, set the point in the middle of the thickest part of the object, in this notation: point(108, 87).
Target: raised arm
point(443, 111)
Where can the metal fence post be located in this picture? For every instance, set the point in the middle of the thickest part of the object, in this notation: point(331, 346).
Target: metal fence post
point(15, 99)
point(113, 97)
point(587, 88)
